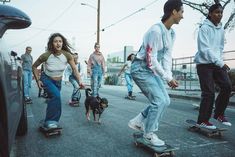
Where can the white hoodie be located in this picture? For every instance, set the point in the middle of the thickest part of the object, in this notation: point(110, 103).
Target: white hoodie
point(210, 44)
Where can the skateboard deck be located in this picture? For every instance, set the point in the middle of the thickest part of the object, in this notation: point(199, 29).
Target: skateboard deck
point(159, 151)
point(132, 98)
point(207, 132)
point(49, 132)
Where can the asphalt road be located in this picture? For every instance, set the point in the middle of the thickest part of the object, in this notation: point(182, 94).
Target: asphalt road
point(113, 138)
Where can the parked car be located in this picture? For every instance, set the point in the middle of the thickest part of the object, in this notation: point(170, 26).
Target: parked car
point(13, 117)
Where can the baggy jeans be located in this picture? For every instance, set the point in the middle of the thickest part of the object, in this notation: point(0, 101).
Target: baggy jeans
point(27, 82)
point(53, 111)
point(209, 74)
point(129, 83)
point(96, 79)
point(76, 95)
point(153, 88)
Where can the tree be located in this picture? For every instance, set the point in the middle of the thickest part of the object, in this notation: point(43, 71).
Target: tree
point(204, 6)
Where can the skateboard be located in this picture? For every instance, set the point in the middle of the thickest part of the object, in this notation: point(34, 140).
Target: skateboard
point(50, 131)
point(207, 132)
point(132, 98)
point(74, 103)
point(159, 151)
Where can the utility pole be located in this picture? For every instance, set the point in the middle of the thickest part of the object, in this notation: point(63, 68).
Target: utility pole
point(98, 22)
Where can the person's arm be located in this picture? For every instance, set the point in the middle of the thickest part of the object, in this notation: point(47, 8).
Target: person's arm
point(152, 46)
point(89, 64)
point(123, 67)
point(103, 64)
point(75, 72)
point(36, 72)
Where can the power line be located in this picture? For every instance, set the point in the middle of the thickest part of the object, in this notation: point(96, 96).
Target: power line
point(128, 16)
point(50, 24)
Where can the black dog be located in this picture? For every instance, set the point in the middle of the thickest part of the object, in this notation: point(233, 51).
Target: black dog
point(96, 104)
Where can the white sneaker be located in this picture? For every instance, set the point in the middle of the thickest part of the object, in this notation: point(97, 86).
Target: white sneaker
point(153, 139)
point(136, 123)
point(52, 126)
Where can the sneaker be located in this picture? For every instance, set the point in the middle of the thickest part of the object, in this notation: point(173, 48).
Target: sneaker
point(207, 125)
point(223, 120)
point(51, 126)
point(153, 139)
point(136, 123)
point(28, 101)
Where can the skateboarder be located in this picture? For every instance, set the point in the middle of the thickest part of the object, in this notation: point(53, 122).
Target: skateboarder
point(151, 66)
point(55, 61)
point(128, 77)
point(211, 69)
point(76, 95)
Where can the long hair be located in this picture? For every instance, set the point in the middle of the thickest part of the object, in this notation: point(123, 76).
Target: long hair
point(169, 6)
point(66, 46)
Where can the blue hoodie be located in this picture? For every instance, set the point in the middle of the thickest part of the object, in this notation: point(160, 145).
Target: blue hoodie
point(210, 44)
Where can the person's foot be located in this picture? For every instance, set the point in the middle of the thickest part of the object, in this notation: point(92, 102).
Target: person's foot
point(223, 120)
point(136, 123)
point(153, 139)
point(206, 125)
point(74, 103)
point(28, 101)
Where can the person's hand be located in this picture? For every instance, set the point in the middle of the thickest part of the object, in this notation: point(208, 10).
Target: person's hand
point(82, 86)
point(173, 84)
point(40, 84)
point(226, 67)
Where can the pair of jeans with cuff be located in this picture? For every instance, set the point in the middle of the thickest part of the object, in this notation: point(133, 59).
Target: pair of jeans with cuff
point(27, 82)
point(53, 87)
point(96, 78)
point(129, 83)
point(76, 95)
point(153, 88)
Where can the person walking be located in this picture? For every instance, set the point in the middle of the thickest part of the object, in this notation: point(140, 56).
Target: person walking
point(129, 81)
point(55, 60)
point(151, 66)
point(211, 69)
point(27, 61)
point(96, 69)
point(76, 95)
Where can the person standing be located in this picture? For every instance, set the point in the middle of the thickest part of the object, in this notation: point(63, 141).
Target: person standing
point(211, 69)
point(76, 95)
point(27, 61)
point(96, 69)
point(152, 65)
point(129, 81)
point(55, 60)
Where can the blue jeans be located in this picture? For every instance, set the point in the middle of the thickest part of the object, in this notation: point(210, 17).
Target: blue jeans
point(153, 88)
point(76, 95)
point(96, 79)
point(129, 83)
point(27, 82)
point(53, 111)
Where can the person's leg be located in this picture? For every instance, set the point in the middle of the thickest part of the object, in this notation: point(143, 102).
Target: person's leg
point(76, 95)
point(30, 76)
point(128, 83)
point(99, 81)
point(26, 83)
point(53, 111)
point(222, 100)
point(205, 74)
point(94, 86)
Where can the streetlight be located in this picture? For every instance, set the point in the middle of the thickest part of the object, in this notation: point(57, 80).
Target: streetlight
point(98, 19)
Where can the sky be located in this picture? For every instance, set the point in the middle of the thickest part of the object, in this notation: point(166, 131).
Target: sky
point(78, 24)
